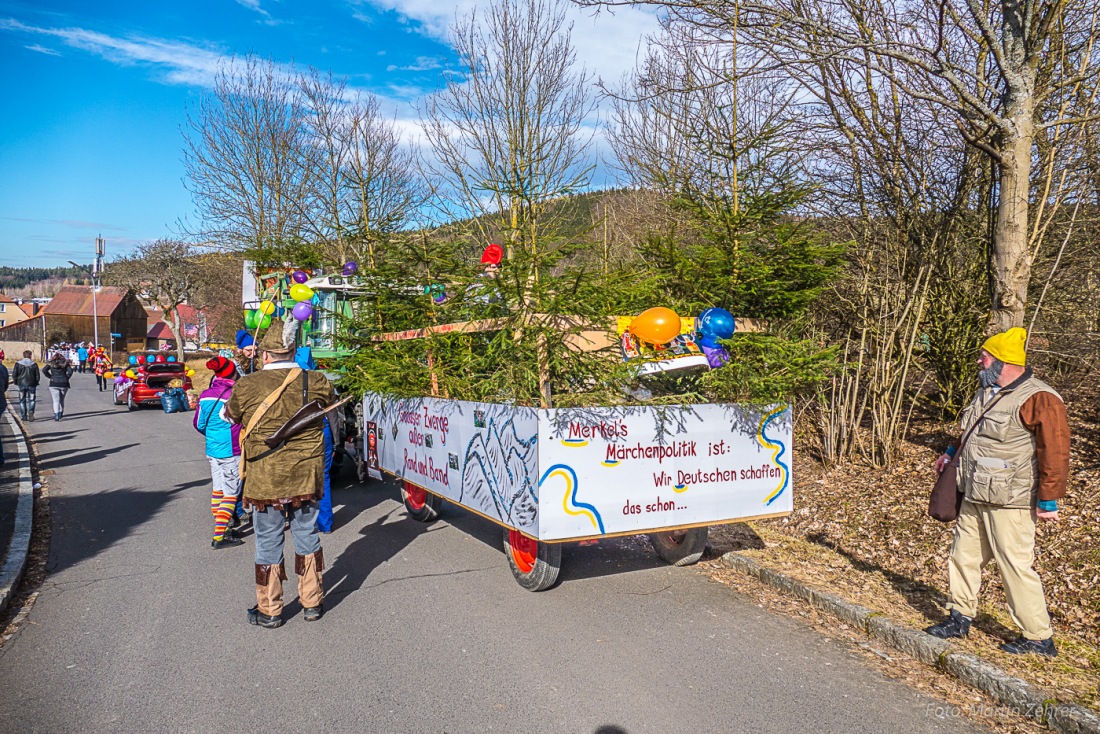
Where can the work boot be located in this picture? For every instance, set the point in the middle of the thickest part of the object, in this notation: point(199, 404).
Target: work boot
point(228, 541)
point(956, 625)
point(1024, 646)
point(30, 417)
point(269, 594)
point(258, 618)
point(310, 591)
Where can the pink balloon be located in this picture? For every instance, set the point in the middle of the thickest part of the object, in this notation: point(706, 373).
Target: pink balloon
point(302, 310)
point(299, 276)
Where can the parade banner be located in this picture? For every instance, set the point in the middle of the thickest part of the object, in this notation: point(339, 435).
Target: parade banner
point(620, 470)
point(483, 456)
point(588, 472)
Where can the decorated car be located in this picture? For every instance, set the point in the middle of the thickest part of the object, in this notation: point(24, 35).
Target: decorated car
point(144, 383)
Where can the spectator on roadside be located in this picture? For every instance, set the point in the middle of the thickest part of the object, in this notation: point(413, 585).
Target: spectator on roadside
point(223, 449)
point(3, 399)
point(82, 357)
point(1013, 470)
point(26, 377)
point(58, 371)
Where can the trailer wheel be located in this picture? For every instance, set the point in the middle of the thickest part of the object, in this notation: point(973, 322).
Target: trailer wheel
point(535, 565)
point(421, 505)
point(680, 547)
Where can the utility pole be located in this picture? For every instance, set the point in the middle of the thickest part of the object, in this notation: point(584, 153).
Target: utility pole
point(97, 268)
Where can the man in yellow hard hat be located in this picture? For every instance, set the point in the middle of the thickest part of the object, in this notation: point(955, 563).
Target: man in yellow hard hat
point(1013, 469)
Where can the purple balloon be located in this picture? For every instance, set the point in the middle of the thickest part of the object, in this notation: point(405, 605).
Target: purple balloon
point(299, 276)
point(351, 268)
point(716, 356)
point(119, 379)
point(302, 310)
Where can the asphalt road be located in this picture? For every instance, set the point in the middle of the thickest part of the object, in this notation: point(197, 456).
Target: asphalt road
point(140, 626)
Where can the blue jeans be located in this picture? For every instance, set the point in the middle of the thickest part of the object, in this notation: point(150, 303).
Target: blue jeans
point(324, 509)
point(27, 398)
point(268, 526)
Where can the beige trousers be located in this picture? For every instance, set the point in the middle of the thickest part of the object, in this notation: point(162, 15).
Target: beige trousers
point(985, 533)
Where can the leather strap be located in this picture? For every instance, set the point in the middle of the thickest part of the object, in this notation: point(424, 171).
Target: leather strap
point(264, 407)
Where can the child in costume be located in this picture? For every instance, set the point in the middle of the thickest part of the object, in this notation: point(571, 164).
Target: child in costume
point(223, 449)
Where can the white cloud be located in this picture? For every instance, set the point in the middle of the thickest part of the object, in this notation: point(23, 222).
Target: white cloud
point(254, 5)
point(607, 42)
point(43, 50)
point(422, 63)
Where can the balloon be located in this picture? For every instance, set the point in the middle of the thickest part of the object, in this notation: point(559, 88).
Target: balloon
point(171, 358)
point(716, 356)
point(190, 372)
point(251, 319)
point(119, 379)
point(160, 359)
point(350, 268)
point(141, 359)
point(302, 311)
point(299, 276)
point(267, 308)
point(264, 322)
point(109, 375)
point(301, 292)
point(717, 322)
point(709, 342)
point(133, 359)
point(656, 325)
point(131, 374)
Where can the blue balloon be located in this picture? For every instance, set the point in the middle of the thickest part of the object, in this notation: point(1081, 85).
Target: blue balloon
point(133, 359)
point(171, 358)
point(709, 342)
point(717, 323)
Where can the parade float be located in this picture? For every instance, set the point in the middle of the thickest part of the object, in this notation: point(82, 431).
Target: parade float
point(552, 475)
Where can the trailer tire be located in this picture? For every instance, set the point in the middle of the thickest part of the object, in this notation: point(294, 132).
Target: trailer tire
point(680, 547)
point(535, 565)
point(422, 506)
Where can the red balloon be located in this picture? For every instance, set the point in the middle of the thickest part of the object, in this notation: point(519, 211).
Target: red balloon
point(656, 325)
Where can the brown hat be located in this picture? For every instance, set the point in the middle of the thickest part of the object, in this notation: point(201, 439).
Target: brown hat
point(272, 339)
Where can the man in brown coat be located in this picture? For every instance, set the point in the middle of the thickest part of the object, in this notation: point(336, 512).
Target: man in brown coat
point(1012, 471)
point(288, 478)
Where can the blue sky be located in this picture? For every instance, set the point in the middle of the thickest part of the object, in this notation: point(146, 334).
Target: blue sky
point(95, 96)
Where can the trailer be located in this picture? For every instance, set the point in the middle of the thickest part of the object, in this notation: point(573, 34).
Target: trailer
point(550, 476)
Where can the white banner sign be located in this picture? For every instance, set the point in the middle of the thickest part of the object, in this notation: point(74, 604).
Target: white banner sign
point(575, 473)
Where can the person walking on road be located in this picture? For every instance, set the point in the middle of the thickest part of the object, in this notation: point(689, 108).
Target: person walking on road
point(26, 377)
point(82, 357)
point(223, 449)
point(3, 402)
point(1012, 471)
point(289, 477)
point(58, 371)
point(101, 362)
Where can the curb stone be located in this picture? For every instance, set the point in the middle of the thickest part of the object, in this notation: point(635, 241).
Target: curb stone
point(16, 559)
point(1014, 693)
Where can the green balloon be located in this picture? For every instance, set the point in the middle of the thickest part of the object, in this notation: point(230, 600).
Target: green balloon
point(265, 321)
point(250, 319)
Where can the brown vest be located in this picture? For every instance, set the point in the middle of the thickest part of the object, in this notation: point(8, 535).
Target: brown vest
point(998, 465)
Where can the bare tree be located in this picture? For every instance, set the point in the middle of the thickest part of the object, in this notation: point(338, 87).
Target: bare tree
point(507, 134)
point(164, 272)
point(248, 162)
point(1007, 72)
point(367, 186)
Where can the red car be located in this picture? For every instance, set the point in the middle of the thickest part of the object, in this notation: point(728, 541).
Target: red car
point(152, 380)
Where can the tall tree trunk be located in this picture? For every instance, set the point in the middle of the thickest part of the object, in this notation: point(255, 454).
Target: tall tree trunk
point(1011, 266)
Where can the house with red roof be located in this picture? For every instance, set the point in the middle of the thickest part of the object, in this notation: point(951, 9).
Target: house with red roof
point(74, 313)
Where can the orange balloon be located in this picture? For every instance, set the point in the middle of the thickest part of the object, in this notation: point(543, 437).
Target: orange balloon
point(656, 325)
